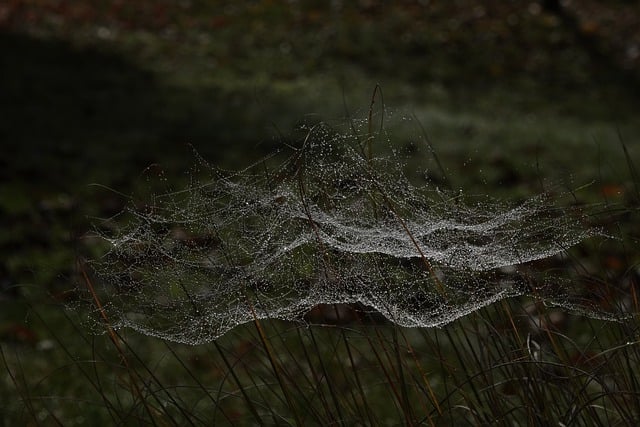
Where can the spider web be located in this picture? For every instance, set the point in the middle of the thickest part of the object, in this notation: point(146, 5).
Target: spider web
point(329, 225)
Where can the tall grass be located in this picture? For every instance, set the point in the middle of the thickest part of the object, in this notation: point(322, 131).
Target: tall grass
point(501, 365)
point(516, 362)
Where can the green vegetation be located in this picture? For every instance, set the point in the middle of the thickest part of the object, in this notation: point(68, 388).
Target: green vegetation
point(515, 100)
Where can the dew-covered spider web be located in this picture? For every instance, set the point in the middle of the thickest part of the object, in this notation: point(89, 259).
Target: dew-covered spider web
point(330, 224)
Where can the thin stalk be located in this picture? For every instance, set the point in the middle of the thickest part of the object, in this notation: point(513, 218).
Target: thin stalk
point(423, 376)
point(116, 342)
point(195, 378)
point(432, 151)
point(386, 372)
point(25, 398)
point(403, 384)
point(317, 379)
point(363, 395)
point(376, 90)
point(632, 168)
point(274, 365)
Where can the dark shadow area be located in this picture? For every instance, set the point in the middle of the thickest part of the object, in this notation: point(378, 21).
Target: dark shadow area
point(72, 116)
point(67, 112)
